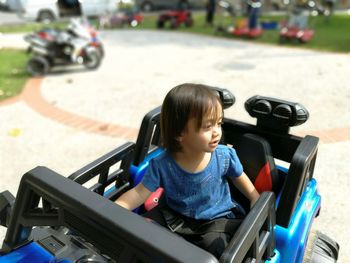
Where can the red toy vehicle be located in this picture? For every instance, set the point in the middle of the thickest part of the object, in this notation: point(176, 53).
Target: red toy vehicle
point(121, 18)
point(247, 28)
point(245, 31)
point(175, 18)
point(298, 27)
point(290, 33)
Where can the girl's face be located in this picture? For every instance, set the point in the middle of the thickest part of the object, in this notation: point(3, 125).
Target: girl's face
point(207, 138)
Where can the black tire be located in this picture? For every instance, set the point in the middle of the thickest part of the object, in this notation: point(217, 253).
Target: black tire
point(38, 66)
point(320, 248)
point(92, 59)
point(283, 39)
point(160, 24)
point(275, 7)
point(301, 41)
point(46, 16)
point(188, 22)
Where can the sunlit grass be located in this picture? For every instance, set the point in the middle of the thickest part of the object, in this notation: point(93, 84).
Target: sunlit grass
point(332, 35)
point(12, 72)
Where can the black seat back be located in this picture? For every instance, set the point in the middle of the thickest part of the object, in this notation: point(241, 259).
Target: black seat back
point(258, 163)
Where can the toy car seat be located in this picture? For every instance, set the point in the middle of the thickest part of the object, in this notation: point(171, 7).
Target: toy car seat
point(258, 163)
point(255, 155)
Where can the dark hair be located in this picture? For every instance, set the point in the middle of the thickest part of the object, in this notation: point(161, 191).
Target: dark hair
point(182, 103)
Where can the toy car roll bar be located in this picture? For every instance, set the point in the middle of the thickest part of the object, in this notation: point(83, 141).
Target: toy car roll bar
point(149, 135)
point(6, 202)
point(102, 168)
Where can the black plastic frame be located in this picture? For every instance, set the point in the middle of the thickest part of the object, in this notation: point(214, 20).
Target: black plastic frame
point(121, 234)
point(254, 241)
point(149, 135)
point(116, 232)
point(300, 152)
point(101, 168)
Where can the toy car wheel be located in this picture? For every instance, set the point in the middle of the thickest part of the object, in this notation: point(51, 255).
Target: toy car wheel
point(173, 23)
point(282, 39)
point(320, 248)
point(92, 59)
point(38, 66)
point(301, 40)
point(188, 22)
point(160, 24)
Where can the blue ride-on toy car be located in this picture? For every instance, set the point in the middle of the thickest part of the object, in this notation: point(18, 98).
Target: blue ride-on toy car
point(58, 219)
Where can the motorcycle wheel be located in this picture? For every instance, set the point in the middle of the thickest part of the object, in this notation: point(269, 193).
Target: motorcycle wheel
point(101, 50)
point(38, 66)
point(92, 59)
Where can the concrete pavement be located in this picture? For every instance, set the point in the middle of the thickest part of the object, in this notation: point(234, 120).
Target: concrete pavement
point(71, 117)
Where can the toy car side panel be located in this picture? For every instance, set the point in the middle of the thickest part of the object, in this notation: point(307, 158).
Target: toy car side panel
point(29, 253)
point(101, 168)
point(291, 241)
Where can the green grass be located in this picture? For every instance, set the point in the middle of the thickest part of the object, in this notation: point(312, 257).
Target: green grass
point(12, 72)
point(330, 36)
point(29, 27)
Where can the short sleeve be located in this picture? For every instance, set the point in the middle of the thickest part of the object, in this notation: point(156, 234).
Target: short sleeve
point(235, 168)
point(151, 179)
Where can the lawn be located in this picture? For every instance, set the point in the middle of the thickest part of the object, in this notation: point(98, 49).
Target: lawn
point(330, 36)
point(12, 72)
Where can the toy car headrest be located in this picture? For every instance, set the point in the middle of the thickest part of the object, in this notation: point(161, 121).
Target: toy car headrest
point(226, 97)
point(276, 114)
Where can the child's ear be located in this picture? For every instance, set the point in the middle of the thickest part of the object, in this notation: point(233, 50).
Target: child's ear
point(179, 138)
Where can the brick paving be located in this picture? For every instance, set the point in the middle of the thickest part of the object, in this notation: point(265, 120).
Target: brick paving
point(32, 96)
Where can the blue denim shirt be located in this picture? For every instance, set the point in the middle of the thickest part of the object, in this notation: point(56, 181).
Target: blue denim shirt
point(202, 195)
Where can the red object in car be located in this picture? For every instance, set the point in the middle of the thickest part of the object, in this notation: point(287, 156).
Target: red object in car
point(153, 199)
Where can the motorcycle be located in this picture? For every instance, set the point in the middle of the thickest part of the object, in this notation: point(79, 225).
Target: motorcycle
point(77, 44)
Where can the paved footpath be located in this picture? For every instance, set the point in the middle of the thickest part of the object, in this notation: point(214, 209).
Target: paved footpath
point(73, 116)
